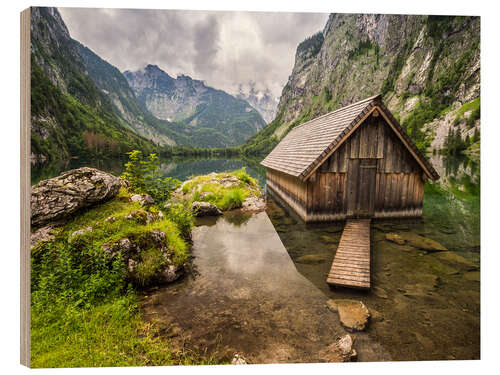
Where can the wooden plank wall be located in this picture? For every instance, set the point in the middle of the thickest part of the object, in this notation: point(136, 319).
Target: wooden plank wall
point(292, 186)
point(327, 193)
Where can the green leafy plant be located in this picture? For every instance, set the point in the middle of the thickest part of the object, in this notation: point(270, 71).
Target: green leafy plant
point(181, 215)
point(145, 178)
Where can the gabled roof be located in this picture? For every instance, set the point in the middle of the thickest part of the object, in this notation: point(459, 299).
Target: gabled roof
point(306, 146)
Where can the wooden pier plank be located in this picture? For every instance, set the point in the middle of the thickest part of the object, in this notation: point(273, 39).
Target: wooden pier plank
point(351, 265)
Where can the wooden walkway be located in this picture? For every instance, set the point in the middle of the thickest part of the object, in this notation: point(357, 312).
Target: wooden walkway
point(351, 265)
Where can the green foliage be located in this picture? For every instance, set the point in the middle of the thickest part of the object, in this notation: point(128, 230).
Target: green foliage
point(181, 215)
point(362, 49)
point(396, 68)
point(144, 177)
point(453, 143)
point(84, 311)
point(209, 189)
point(150, 265)
point(311, 45)
point(424, 112)
point(232, 198)
point(63, 126)
point(242, 175)
point(475, 108)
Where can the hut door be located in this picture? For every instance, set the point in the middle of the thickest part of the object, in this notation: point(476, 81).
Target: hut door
point(361, 177)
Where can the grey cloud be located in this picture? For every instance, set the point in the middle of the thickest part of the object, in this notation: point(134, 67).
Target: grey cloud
point(225, 49)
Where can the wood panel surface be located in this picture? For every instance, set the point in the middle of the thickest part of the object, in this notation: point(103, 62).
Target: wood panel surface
point(351, 265)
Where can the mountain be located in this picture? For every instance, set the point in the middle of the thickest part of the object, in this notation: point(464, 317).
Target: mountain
point(262, 100)
point(70, 115)
point(115, 86)
point(208, 117)
point(426, 67)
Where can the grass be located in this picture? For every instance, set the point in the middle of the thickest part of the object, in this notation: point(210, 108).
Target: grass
point(475, 108)
point(84, 309)
point(209, 189)
point(109, 334)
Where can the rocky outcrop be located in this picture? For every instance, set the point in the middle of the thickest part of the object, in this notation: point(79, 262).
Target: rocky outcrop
point(353, 314)
point(143, 199)
point(59, 197)
point(254, 204)
point(132, 250)
point(201, 209)
point(41, 235)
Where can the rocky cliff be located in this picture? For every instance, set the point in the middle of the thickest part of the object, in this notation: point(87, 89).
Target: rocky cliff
point(426, 67)
point(209, 117)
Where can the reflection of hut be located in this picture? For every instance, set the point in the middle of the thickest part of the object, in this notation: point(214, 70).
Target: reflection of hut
point(356, 161)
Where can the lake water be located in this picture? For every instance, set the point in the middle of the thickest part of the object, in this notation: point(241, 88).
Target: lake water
point(250, 291)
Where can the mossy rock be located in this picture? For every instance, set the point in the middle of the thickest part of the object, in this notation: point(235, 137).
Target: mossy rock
point(421, 242)
point(396, 238)
point(458, 260)
point(314, 258)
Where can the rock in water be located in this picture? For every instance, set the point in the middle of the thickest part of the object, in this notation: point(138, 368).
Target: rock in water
point(340, 351)
point(421, 242)
point(314, 258)
point(59, 197)
point(353, 314)
point(238, 360)
point(396, 238)
point(205, 209)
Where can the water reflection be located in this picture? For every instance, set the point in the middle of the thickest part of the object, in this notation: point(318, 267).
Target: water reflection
point(427, 304)
point(246, 296)
point(181, 168)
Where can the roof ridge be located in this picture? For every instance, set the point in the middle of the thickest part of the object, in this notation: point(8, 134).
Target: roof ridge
point(339, 109)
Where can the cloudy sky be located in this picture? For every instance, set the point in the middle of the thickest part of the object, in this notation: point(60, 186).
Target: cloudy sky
point(222, 48)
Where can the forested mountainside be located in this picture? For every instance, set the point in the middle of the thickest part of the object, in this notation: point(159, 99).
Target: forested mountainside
point(209, 117)
point(112, 83)
point(426, 67)
point(70, 116)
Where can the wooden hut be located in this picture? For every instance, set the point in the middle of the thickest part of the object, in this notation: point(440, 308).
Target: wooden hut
point(355, 162)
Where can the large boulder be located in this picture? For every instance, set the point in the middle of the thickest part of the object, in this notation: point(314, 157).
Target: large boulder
point(59, 197)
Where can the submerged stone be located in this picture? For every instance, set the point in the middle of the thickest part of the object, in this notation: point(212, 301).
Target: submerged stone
point(379, 292)
point(353, 314)
point(421, 242)
point(396, 238)
point(238, 359)
point(456, 259)
point(314, 258)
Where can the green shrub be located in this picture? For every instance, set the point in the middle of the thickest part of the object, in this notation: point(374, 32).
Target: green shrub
point(232, 199)
point(151, 263)
point(243, 176)
point(144, 177)
point(181, 215)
